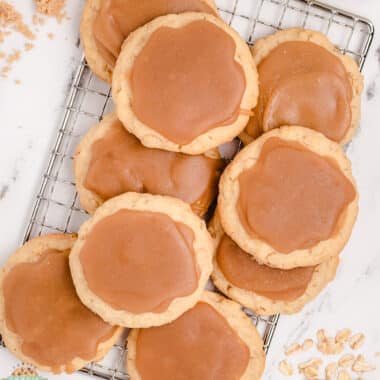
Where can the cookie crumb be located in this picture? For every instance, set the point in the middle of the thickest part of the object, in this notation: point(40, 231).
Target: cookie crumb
point(50, 36)
point(13, 57)
point(286, 368)
point(17, 81)
point(2, 55)
point(52, 8)
point(11, 18)
point(28, 46)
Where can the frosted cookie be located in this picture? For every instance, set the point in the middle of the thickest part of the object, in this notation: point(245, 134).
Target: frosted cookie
point(213, 340)
point(107, 23)
point(142, 260)
point(289, 198)
point(304, 80)
point(263, 289)
point(110, 161)
point(185, 83)
point(42, 320)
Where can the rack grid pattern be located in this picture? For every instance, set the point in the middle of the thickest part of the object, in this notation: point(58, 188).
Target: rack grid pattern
point(57, 207)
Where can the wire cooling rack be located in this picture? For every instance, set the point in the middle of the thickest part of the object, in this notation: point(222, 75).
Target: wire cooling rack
point(57, 207)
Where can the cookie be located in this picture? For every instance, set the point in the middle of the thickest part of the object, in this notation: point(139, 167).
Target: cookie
point(106, 23)
point(215, 339)
point(142, 260)
point(110, 161)
point(52, 335)
point(263, 289)
point(289, 198)
point(301, 73)
point(185, 83)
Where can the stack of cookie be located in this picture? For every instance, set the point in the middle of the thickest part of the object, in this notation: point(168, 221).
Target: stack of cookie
point(184, 83)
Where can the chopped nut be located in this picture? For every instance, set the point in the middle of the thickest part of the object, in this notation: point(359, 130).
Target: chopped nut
point(286, 368)
point(346, 361)
point(343, 335)
point(314, 362)
point(292, 349)
point(343, 375)
point(356, 341)
point(307, 344)
point(331, 371)
point(361, 365)
point(311, 373)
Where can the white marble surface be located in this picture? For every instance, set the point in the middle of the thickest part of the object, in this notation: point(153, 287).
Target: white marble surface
point(29, 115)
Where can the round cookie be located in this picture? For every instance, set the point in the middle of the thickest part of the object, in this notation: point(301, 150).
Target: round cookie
point(273, 302)
point(294, 230)
point(198, 103)
point(265, 46)
point(71, 346)
point(221, 357)
point(145, 11)
point(110, 161)
point(142, 260)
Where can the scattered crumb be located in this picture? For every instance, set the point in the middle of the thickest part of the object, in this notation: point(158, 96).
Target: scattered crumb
point(53, 8)
point(286, 368)
point(17, 81)
point(11, 18)
point(50, 36)
point(28, 46)
point(13, 57)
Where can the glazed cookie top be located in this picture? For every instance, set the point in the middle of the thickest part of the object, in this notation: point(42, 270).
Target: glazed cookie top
point(141, 259)
point(300, 74)
point(111, 161)
point(116, 19)
point(185, 83)
point(42, 308)
point(208, 341)
point(243, 271)
point(292, 190)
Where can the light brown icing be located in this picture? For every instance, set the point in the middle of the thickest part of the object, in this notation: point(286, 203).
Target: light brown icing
point(120, 163)
point(185, 81)
point(243, 271)
point(199, 345)
point(139, 261)
point(292, 198)
point(302, 83)
point(116, 19)
point(43, 309)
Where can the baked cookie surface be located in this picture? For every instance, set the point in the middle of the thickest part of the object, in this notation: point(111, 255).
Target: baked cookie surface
point(53, 336)
point(185, 83)
point(289, 198)
point(106, 23)
point(263, 289)
point(215, 339)
point(304, 66)
point(110, 161)
point(141, 260)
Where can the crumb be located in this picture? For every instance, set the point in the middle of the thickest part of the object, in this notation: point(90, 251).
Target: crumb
point(2, 55)
point(10, 17)
point(28, 46)
point(50, 36)
point(5, 69)
point(53, 8)
point(13, 57)
point(17, 81)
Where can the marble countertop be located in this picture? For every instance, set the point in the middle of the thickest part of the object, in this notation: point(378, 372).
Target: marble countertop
point(30, 113)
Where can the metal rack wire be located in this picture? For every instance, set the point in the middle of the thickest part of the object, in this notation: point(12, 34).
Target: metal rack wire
point(57, 208)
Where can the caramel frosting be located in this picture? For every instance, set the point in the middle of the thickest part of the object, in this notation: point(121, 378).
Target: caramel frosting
point(139, 261)
point(185, 81)
point(198, 345)
point(116, 19)
point(120, 163)
point(292, 198)
point(43, 309)
point(243, 271)
point(302, 83)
